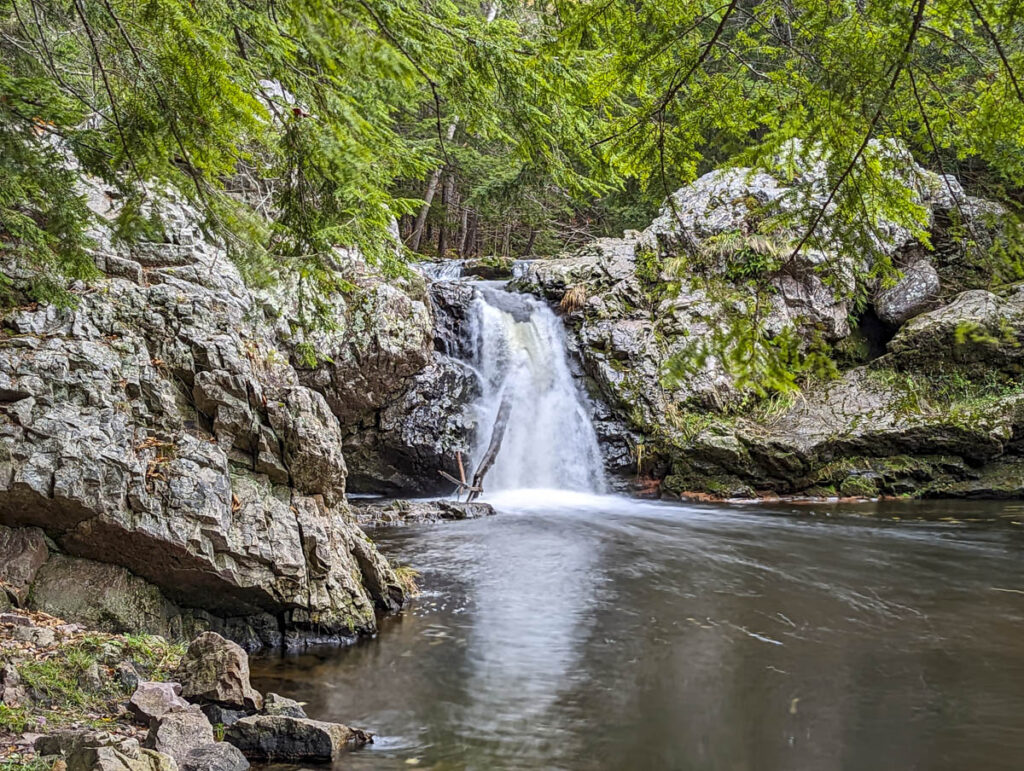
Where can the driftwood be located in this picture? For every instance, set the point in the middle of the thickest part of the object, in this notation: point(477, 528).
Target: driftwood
point(461, 485)
point(497, 434)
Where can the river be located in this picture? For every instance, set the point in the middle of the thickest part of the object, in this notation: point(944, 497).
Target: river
point(575, 631)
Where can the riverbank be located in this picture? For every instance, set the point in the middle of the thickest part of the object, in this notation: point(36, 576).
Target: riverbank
point(73, 699)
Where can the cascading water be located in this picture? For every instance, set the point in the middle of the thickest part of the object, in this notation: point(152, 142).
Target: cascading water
point(520, 354)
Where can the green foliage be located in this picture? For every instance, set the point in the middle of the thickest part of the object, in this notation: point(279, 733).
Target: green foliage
point(13, 719)
point(954, 392)
point(759, 362)
point(302, 127)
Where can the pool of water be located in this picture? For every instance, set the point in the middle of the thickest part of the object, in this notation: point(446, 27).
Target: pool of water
point(583, 632)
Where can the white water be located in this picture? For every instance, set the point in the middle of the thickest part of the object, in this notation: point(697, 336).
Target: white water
point(441, 270)
point(549, 442)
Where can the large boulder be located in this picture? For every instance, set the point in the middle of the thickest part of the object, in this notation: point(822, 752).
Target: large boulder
point(160, 425)
point(101, 596)
point(276, 737)
point(178, 733)
point(916, 292)
point(217, 670)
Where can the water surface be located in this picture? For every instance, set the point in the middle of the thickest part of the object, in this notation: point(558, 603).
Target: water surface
point(584, 632)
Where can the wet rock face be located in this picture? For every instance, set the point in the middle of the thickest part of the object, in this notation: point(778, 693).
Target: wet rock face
point(161, 426)
point(421, 429)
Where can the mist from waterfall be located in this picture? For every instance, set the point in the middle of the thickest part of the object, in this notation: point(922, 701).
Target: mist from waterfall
point(520, 349)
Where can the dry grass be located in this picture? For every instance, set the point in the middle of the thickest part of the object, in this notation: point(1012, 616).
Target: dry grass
point(574, 299)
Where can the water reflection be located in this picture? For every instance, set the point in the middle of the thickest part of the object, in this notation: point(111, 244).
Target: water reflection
point(592, 633)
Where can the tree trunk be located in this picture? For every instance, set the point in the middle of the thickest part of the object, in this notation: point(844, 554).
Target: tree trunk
point(529, 244)
point(428, 196)
point(442, 228)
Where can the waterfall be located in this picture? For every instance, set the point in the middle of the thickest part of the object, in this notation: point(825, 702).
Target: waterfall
point(519, 348)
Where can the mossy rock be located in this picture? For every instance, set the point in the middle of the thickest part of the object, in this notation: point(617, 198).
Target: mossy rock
point(859, 487)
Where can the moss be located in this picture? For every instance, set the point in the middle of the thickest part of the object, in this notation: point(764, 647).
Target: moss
point(858, 487)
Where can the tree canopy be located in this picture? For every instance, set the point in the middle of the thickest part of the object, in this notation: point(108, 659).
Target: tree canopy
point(539, 125)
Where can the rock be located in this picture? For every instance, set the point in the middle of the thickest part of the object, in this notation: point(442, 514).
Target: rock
point(109, 759)
point(410, 512)
point(274, 704)
point(275, 737)
point(101, 596)
point(915, 293)
point(141, 429)
point(219, 715)
point(12, 692)
point(418, 433)
point(127, 676)
point(40, 636)
point(152, 700)
point(69, 741)
point(217, 670)
point(90, 679)
point(219, 756)
point(178, 733)
point(977, 328)
point(22, 552)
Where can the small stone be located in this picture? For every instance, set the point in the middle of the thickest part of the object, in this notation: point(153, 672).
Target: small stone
point(12, 692)
point(219, 715)
point(219, 756)
point(90, 679)
point(178, 733)
point(217, 670)
point(154, 700)
point(274, 704)
point(36, 635)
point(127, 676)
point(15, 619)
point(275, 737)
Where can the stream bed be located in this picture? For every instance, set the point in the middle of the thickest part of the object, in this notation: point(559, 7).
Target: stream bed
point(574, 631)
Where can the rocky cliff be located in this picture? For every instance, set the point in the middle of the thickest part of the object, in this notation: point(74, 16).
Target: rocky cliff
point(927, 398)
point(169, 464)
